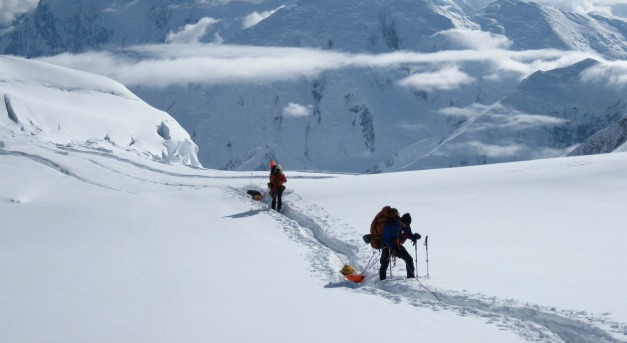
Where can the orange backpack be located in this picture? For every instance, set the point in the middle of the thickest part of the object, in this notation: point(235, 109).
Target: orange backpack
point(378, 223)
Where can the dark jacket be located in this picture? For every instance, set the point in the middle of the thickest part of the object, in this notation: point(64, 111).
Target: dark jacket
point(394, 234)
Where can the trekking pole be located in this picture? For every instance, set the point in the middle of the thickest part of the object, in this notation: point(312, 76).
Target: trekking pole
point(427, 251)
point(391, 264)
point(416, 251)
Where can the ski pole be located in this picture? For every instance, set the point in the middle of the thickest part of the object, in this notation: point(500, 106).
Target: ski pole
point(427, 251)
point(416, 251)
point(391, 265)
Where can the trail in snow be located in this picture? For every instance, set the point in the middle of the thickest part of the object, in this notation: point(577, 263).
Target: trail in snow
point(330, 248)
point(53, 165)
point(308, 224)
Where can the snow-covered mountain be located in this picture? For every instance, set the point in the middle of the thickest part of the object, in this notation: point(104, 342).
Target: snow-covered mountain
point(78, 110)
point(58, 26)
point(389, 85)
point(365, 26)
point(532, 26)
point(548, 114)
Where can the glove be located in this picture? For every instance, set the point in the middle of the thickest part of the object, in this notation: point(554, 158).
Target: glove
point(416, 236)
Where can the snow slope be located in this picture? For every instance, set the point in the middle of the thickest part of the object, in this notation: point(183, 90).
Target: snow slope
point(105, 243)
point(108, 248)
point(69, 107)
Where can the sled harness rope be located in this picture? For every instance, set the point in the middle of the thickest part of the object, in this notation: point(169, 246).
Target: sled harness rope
point(392, 260)
point(372, 261)
point(428, 290)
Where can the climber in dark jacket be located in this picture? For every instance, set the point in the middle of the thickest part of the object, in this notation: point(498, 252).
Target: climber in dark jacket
point(395, 233)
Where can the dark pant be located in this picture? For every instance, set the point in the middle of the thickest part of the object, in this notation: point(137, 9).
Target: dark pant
point(276, 198)
point(403, 254)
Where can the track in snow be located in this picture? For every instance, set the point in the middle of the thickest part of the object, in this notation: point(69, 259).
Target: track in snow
point(309, 225)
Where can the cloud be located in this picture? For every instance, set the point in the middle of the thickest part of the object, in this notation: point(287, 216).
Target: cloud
point(444, 79)
point(191, 33)
point(296, 110)
point(474, 39)
point(162, 65)
point(520, 121)
point(495, 151)
point(255, 17)
point(117, 7)
point(11, 8)
point(469, 112)
point(611, 73)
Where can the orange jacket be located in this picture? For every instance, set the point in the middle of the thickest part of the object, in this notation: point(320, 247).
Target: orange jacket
point(277, 180)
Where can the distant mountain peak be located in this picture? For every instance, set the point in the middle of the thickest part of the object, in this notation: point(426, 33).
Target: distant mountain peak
point(410, 114)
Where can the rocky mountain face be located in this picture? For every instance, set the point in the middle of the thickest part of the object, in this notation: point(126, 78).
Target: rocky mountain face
point(47, 32)
point(359, 119)
point(610, 139)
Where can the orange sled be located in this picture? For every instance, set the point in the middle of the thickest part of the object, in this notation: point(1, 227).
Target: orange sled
point(357, 278)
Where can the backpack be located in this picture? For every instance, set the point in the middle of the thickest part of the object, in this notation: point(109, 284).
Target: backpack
point(378, 223)
point(275, 176)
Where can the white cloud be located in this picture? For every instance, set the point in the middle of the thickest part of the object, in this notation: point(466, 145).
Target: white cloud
point(445, 79)
point(474, 39)
point(296, 110)
point(611, 73)
point(255, 17)
point(10, 8)
point(117, 7)
point(191, 33)
point(519, 121)
point(496, 151)
point(169, 64)
point(469, 112)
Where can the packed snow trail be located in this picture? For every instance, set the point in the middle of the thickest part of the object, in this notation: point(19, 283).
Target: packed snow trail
point(309, 225)
point(332, 243)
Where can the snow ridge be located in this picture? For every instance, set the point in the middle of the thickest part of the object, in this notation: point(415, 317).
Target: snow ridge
point(60, 105)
